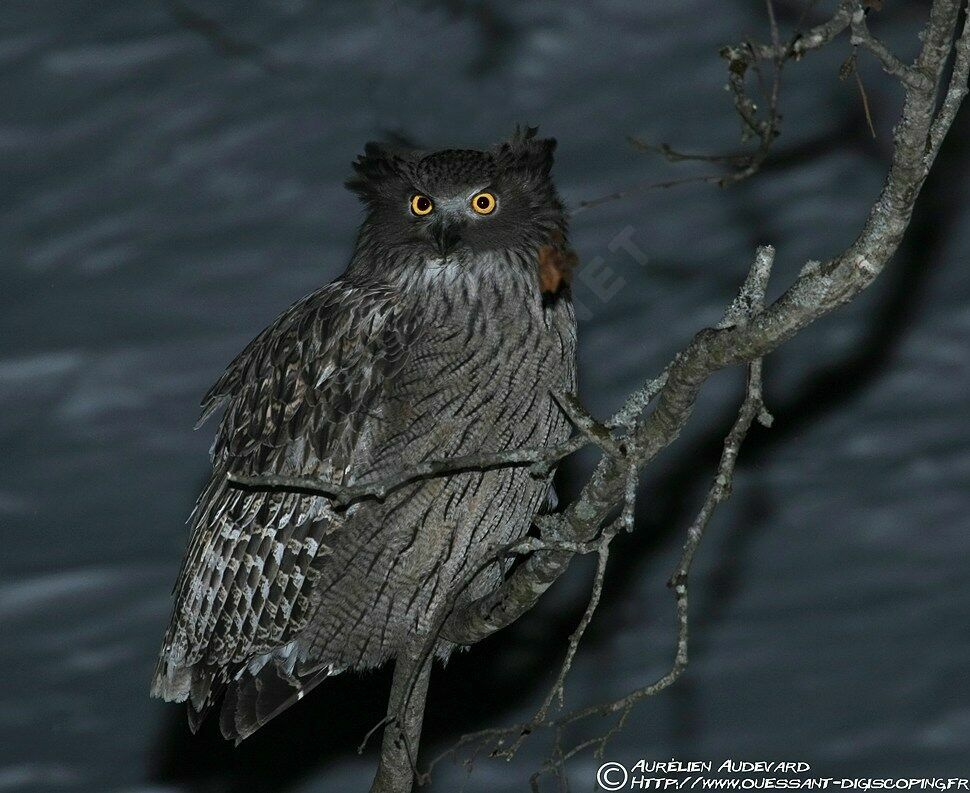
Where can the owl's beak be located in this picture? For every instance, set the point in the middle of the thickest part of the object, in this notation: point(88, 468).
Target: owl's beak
point(445, 234)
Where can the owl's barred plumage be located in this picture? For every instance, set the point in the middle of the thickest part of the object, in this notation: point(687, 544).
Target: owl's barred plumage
point(437, 342)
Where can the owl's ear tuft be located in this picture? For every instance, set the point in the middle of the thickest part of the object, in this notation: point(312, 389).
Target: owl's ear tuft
point(375, 167)
point(525, 151)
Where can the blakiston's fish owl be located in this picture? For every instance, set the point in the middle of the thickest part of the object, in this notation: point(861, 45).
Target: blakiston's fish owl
point(446, 336)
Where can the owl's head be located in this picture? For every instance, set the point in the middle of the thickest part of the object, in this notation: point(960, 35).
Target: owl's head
point(459, 201)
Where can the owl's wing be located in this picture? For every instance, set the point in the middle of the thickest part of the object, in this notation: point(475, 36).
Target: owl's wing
point(298, 402)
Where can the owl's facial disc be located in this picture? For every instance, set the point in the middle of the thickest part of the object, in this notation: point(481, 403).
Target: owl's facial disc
point(458, 204)
point(446, 219)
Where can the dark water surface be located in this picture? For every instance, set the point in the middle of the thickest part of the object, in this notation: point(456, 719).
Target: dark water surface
point(169, 185)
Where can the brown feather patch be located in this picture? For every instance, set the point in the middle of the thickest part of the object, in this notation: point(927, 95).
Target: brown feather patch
point(556, 265)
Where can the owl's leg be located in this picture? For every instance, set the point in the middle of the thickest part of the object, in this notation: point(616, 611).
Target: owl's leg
point(402, 736)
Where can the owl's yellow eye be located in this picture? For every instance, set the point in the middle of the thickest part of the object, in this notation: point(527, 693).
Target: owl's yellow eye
point(421, 205)
point(483, 203)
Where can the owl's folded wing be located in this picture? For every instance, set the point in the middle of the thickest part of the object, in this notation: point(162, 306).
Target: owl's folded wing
point(298, 402)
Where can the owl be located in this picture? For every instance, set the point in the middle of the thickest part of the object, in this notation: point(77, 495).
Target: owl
point(447, 335)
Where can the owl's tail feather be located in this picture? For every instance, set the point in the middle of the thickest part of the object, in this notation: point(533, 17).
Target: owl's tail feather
point(255, 692)
point(197, 684)
point(207, 685)
point(171, 681)
point(253, 700)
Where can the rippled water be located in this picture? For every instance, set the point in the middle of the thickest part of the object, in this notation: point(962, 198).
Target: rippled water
point(168, 186)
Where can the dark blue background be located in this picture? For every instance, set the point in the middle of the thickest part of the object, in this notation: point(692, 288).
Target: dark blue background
point(167, 187)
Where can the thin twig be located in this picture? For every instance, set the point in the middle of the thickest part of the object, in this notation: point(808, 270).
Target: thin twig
point(644, 187)
point(379, 488)
point(865, 102)
point(558, 687)
point(665, 150)
point(740, 59)
point(861, 37)
point(679, 582)
point(850, 67)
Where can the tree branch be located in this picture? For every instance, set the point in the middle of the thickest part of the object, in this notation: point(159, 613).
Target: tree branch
point(405, 716)
point(861, 37)
point(955, 94)
point(748, 332)
point(741, 59)
point(818, 290)
point(543, 458)
point(752, 408)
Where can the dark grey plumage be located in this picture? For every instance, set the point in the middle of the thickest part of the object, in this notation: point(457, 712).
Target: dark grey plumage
point(437, 341)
